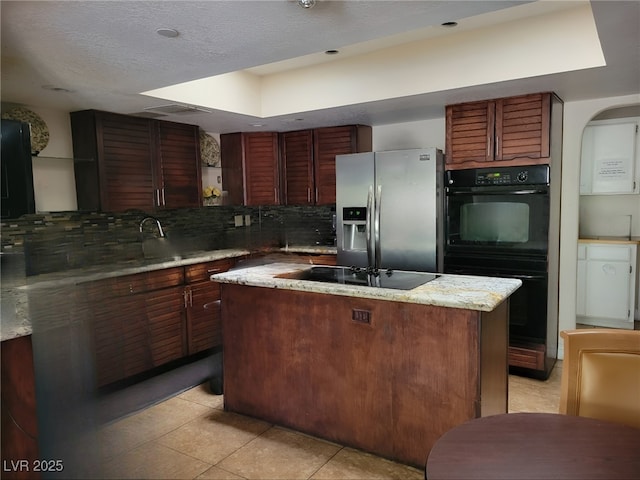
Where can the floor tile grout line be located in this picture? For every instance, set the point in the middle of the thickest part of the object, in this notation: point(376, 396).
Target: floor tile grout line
point(328, 460)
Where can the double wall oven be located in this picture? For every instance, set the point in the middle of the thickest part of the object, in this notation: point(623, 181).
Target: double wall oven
point(497, 224)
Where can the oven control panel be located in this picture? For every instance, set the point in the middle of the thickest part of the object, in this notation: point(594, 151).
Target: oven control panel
point(499, 176)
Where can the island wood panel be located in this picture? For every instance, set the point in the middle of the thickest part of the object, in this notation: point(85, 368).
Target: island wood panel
point(391, 387)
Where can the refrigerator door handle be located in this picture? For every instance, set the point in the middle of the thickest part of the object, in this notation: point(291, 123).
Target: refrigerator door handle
point(376, 226)
point(368, 228)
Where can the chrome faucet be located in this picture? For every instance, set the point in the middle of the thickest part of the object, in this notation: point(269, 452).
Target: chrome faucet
point(160, 231)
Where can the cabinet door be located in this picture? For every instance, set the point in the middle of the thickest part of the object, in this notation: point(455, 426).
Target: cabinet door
point(609, 158)
point(231, 161)
point(125, 166)
point(329, 142)
point(261, 169)
point(203, 317)
point(137, 322)
point(164, 315)
point(178, 166)
point(470, 132)
point(522, 127)
point(296, 150)
point(609, 275)
point(204, 330)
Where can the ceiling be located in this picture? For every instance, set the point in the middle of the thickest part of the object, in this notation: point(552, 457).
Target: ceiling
point(102, 54)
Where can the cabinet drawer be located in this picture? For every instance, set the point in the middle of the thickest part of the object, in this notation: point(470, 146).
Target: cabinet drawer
point(202, 271)
point(137, 283)
point(612, 253)
point(531, 357)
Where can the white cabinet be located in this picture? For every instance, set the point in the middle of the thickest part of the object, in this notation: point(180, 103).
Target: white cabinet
point(610, 158)
point(606, 284)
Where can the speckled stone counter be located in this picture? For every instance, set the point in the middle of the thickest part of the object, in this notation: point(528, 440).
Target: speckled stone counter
point(16, 320)
point(453, 291)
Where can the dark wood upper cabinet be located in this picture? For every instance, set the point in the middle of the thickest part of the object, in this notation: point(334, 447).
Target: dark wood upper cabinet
point(309, 161)
point(123, 162)
point(16, 170)
point(503, 131)
point(296, 152)
point(250, 168)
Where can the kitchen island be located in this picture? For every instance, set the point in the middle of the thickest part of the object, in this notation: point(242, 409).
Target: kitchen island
point(383, 370)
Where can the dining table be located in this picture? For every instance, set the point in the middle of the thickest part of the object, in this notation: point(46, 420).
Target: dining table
point(536, 446)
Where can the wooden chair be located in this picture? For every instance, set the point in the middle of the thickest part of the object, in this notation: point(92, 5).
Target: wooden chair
point(601, 375)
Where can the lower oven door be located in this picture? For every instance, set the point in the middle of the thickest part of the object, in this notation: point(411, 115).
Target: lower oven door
point(527, 305)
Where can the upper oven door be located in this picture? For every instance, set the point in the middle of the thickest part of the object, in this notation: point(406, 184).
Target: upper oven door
point(497, 219)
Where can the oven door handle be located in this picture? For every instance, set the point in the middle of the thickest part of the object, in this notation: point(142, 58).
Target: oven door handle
point(489, 191)
point(461, 271)
point(520, 277)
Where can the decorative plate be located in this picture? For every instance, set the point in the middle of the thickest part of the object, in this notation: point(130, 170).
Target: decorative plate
point(39, 129)
point(209, 150)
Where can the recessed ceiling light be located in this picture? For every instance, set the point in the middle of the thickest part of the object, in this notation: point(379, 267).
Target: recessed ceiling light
point(167, 32)
point(332, 52)
point(257, 124)
point(449, 24)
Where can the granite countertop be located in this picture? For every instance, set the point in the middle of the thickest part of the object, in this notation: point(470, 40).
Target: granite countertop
point(15, 320)
point(610, 240)
point(454, 291)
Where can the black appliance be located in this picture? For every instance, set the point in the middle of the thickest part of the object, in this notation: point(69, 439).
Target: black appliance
point(16, 177)
point(497, 225)
point(367, 277)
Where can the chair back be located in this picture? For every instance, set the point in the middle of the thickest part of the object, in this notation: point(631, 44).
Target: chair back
point(601, 375)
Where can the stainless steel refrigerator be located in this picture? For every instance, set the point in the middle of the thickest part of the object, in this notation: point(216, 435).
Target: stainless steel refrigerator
point(389, 209)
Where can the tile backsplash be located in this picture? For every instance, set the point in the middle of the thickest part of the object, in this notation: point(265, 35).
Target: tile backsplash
point(53, 242)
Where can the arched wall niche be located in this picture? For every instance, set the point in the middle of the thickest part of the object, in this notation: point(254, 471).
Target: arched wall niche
point(577, 115)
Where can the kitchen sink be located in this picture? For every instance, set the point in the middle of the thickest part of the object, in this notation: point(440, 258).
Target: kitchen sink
point(395, 279)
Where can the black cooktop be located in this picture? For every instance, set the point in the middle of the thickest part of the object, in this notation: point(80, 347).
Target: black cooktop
point(395, 279)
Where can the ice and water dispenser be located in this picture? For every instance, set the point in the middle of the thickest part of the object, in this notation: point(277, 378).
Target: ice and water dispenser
point(354, 228)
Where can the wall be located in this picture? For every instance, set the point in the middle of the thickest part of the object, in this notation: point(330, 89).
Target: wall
point(576, 117)
point(53, 178)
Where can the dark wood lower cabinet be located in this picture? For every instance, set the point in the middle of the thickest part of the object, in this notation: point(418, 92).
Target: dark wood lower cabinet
point(386, 377)
point(146, 320)
point(19, 422)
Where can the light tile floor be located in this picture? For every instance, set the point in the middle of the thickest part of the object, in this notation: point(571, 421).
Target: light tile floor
point(190, 436)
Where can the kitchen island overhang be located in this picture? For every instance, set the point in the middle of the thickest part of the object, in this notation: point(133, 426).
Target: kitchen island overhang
point(386, 371)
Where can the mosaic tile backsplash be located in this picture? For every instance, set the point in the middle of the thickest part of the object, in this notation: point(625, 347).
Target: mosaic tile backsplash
point(53, 242)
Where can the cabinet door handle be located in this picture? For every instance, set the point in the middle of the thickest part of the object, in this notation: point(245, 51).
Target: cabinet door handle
point(316, 195)
point(308, 195)
point(190, 298)
point(184, 297)
point(163, 202)
point(157, 197)
point(214, 270)
point(275, 195)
